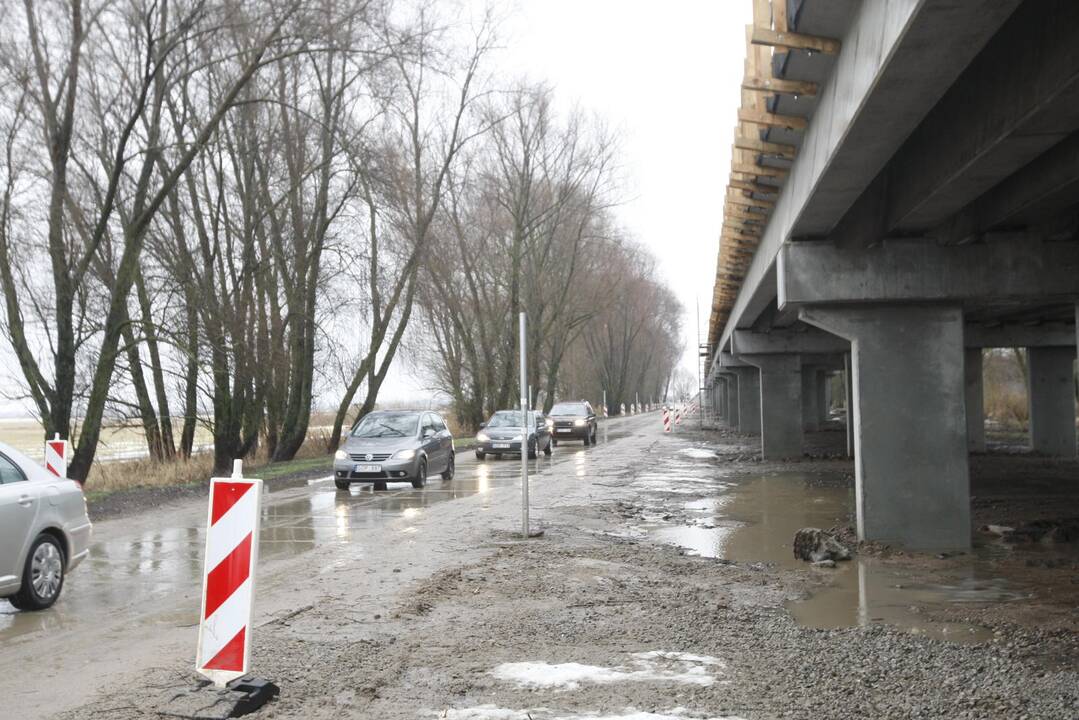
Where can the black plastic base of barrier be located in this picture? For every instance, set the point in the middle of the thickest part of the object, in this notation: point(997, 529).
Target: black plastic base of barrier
point(256, 693)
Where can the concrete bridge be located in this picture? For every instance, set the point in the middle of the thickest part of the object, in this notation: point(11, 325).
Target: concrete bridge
point(904, 192)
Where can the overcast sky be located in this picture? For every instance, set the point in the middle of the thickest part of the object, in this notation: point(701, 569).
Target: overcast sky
point(667, 76)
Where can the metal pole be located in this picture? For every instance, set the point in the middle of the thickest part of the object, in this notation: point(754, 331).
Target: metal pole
point(524, 437)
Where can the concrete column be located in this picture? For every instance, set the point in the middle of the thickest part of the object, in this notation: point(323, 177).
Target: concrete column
point(975, 401)
point(732, 400)
point(910, 434)
point(749, 400)
point(822, 380)
point(780, 404)
point(1051, 396)
point(811, 411)
point(848, 403)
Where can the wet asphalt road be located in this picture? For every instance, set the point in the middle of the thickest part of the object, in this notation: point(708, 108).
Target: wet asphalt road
point(149, 567)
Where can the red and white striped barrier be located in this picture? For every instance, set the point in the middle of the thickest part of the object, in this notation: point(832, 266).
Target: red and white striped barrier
point(232, 542)
point(666, 420)
point(677, 417)
point(623, 408)
point(604, 411)
point(56, 456)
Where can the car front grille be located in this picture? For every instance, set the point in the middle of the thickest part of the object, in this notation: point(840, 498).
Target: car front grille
point(363, 457)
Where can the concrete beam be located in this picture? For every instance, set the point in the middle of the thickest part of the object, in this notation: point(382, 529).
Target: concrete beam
point(1007, 336)
point(913, 271)
point(877, 94)
point(786, 341)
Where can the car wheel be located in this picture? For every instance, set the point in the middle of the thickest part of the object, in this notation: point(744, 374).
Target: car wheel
point(480, 455)
point(43, 575)
point(448, 475)
point(531, 451)
point(547, 449)
point(421, 476)
point(554, 442)
point(341, 483)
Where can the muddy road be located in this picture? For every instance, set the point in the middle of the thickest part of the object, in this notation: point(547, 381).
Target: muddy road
point(662, 588)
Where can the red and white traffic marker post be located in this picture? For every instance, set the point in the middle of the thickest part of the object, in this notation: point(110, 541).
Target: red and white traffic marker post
point(56, 456)
point(228, 591)
point(677, 417)
point(666, 420)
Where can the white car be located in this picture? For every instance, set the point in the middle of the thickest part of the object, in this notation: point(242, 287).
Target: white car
point(44, 531)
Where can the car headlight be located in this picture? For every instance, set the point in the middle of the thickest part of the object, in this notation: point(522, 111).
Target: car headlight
point(550, 423)
point(340, 455)
point(579, 423)
point(482, 437)
point(404, 455)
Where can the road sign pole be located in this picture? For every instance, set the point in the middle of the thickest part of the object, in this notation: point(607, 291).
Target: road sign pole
point(524, 437)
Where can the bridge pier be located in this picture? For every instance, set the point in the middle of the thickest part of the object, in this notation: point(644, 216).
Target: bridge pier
point(909, 421)
point(749, 400)
point(1051, 397)
point(975, 399)
point(812, 399)
point(731, 399)
point(780, 404)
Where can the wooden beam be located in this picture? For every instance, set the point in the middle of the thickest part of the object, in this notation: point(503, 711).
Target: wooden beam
point(759, 117)
point(750, 202)
point(755, 187)
point(785, 87)
point(736, 212)
point(795, 41)
point(759, 170)
point(768, 148)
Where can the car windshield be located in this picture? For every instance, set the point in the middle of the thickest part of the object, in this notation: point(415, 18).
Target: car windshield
point(398, 424)
point(505, 418)
point(569, 409)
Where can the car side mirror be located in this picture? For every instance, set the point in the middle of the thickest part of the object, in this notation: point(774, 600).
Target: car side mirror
point(483, 425)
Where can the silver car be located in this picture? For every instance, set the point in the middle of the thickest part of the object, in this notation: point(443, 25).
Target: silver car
point(44, 531)
point(395, 445)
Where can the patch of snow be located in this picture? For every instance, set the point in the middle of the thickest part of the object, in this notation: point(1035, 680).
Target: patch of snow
point(699, 453)
point(493, 712)
point(652, 666)
point(487, 712)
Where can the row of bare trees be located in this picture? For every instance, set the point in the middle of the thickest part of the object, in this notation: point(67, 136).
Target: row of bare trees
point(211, 209)
point(532, 231)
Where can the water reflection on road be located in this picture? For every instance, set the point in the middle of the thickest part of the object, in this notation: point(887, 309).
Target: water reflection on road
point(147, 569)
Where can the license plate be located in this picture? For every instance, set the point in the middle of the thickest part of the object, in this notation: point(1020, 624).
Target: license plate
point(501, 446)
point(367, 468)
point(565, 429)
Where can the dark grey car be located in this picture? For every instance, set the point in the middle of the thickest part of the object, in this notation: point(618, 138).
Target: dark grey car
point(504, 433)
point(395, 445)
point(576, 420)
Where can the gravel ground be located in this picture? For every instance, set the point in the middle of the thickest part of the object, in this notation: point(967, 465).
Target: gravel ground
point(588, 621)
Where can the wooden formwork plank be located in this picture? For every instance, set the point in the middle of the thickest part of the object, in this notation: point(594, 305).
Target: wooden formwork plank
point(759, 170)
point(795, 41)
point(768, 148)
point(778, 85)
point(754, 187)
point(760, 117)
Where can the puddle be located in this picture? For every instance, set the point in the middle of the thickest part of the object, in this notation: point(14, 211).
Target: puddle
point(754, 520)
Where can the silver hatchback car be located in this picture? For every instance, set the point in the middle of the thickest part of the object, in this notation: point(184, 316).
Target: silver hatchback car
point(395, 445)
point(44, 531)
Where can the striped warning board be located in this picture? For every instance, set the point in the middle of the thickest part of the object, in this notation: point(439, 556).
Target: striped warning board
point(56, 456)
point(232, 539)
